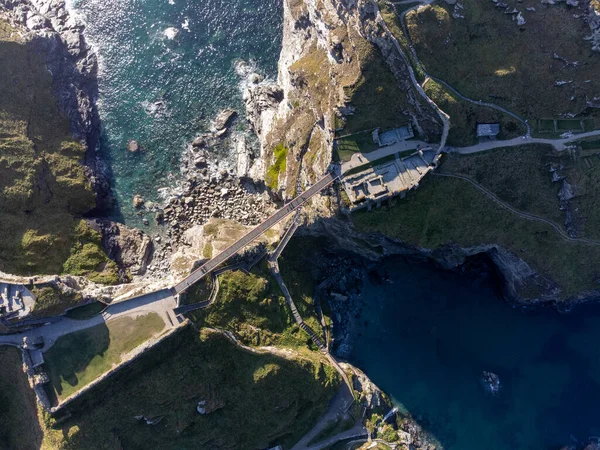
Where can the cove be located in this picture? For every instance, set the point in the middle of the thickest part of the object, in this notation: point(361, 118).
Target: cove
point(425, 335)
point(167, 67)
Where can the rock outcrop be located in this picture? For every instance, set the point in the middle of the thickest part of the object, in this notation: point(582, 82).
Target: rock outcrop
point(130, 248)
point(321, 56)
point(522, 284)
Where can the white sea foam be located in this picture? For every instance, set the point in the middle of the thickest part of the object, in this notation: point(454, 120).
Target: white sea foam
point(171, 33)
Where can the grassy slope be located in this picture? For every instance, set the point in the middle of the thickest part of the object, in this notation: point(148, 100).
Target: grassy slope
point(485, 56)
point(465, 116)
point(20, 428)
point(378, 100)
point(519, 175)
point(43, 189)
point(444, 211)
point(259, 399)
point(51, 302)
point(78, 358)
point(253, 307)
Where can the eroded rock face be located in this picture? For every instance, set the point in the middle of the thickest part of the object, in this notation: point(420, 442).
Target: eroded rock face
point(129, 247)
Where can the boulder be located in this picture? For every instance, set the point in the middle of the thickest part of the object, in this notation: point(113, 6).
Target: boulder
point(224, 119)
point(133, 146)
point(200, 142)
point(138, 201)
point(129, 247)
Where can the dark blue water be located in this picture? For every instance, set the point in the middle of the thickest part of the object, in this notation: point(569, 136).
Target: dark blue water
point(428, 335)
point(163, 91)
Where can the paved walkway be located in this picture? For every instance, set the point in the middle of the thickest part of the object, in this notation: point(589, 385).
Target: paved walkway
point(335, 412)
point(522, 214)
point(160, 302)
point(559, 144)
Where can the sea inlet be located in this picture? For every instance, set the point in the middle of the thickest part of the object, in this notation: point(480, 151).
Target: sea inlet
point(425, 336)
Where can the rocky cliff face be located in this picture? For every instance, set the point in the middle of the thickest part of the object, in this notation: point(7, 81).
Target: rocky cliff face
point(324, 44)
point(522, 285)
point(58, 36)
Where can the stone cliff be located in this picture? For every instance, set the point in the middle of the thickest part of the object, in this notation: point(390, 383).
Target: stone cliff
point(327, 45)
point(522, 285)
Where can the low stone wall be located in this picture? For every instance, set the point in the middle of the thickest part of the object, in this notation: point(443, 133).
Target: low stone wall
point(131, 357)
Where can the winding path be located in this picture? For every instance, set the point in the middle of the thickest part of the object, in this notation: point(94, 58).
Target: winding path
point(443, 116)
point(522, 214)
point(402, 20)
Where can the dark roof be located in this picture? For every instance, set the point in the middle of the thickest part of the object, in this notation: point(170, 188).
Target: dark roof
point(488, 129)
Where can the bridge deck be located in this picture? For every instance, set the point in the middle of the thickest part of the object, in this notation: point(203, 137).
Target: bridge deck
point(279, 215)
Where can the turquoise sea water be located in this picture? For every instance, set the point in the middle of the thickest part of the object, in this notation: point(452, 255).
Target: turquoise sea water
point(426, 336)
point(163, 91)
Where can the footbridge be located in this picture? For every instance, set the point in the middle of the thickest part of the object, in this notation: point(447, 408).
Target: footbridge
point(252, 235)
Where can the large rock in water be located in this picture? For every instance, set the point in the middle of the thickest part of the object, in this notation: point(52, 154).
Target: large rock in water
point(129, 247)
point(224, 119)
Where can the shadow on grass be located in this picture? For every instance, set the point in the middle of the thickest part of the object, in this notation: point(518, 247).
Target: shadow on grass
point(72, 354)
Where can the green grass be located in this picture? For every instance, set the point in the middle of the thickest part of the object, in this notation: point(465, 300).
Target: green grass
point(590, 145)
point(361, 142)
point(451, 211)
point(378, 99)
point(77, 359)
point(259, 400)
point(521, 176)
point(546, 126)
point(86, 311)
point(252, 307)
point(20, 428)
point(518, 175)
point(568, 124)
point(88, 258)
point(486, 57)
point(50, 301)
point(43, 188)
point(278, 167)
point(464, 117)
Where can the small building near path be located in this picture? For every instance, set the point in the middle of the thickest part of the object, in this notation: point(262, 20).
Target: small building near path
point(488, 130)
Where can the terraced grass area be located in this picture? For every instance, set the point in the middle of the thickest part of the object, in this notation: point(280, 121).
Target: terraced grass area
point(21, 429)
point(43, 189)
point(487, 56)
point(450, 211)
point(360, 142)
point(77, 359)
point(253, 400)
